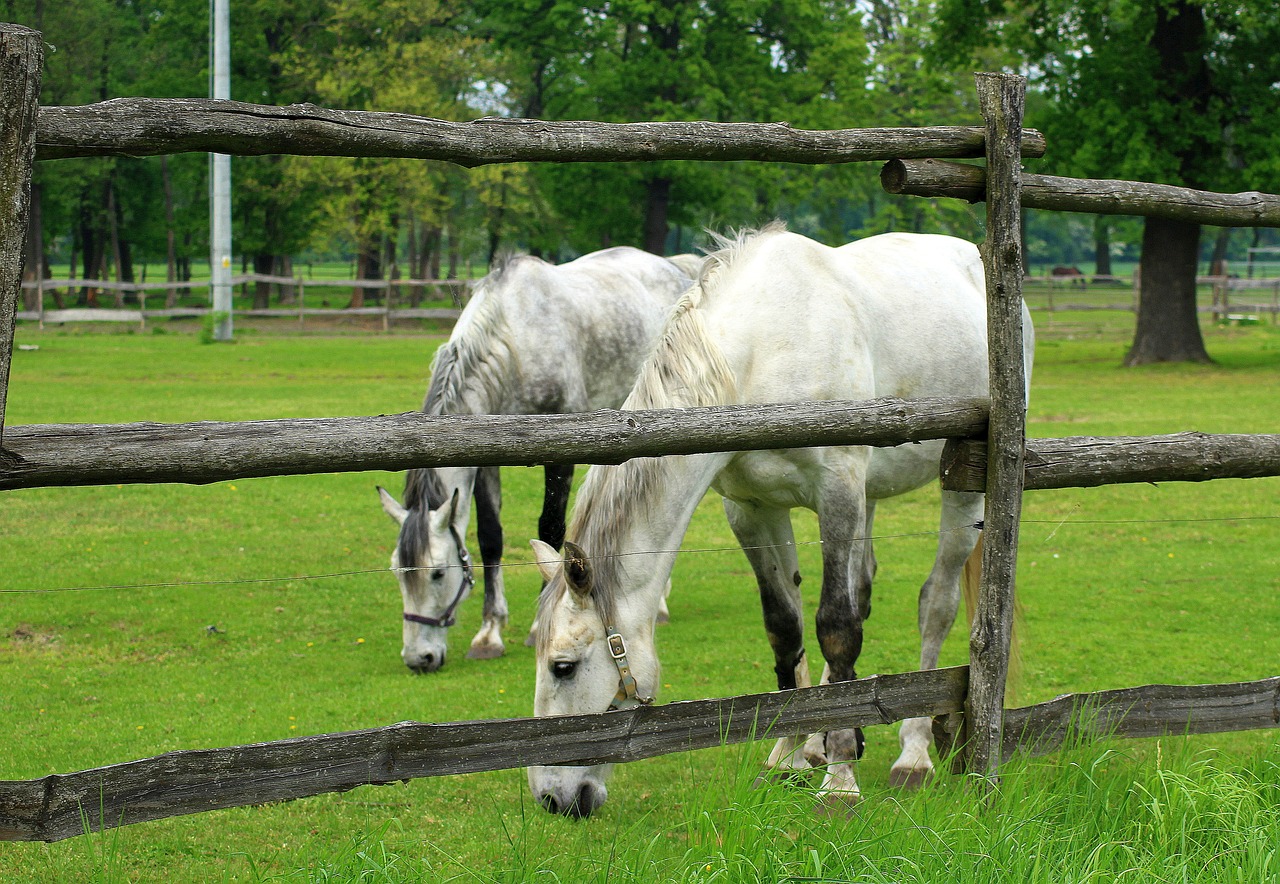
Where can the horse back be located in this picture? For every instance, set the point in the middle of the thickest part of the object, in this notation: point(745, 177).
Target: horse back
point(576, 333)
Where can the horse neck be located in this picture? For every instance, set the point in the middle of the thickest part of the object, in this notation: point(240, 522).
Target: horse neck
point(468, 374)
point(632, 518)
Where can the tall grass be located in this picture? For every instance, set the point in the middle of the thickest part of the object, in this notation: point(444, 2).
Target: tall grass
point(1094, 812)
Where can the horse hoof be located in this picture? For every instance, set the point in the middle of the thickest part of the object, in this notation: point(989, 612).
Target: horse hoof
point(834, 804)
point(909, 778)
point(485, 652)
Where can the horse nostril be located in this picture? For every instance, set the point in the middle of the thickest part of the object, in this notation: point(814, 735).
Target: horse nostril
point(550, 804)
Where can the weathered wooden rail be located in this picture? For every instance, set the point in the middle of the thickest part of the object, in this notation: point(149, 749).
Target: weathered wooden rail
point(194, 781)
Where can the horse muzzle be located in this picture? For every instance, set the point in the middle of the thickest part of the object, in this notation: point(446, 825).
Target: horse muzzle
point(570, 791)
point(423, 662)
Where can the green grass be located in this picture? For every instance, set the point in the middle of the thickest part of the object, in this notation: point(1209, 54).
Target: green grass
point(1121, 586)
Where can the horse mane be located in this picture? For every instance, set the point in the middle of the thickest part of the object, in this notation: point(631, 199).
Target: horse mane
point(686, 369)
point(476, 355)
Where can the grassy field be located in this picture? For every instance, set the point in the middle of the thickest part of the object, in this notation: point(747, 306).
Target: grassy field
point(144, 619)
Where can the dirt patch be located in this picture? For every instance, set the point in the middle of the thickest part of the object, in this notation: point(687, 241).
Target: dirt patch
point(33, 636)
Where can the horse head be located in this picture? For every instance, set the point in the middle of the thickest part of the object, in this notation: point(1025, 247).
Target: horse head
point(584, 665)
point(431, 564)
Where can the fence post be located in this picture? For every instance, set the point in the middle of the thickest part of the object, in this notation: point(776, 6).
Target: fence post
point(21, 64)
point(1001, 98)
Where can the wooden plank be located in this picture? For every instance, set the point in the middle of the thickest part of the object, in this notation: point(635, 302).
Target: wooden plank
point(148, 126)
point(21, 61)
point(1091, 461)
point(213, 451)
point(1150, 711)
point(57, 806)
point(934, 178)
point(1001, 98)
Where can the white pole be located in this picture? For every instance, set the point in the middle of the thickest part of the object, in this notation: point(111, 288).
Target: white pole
point(220, 181)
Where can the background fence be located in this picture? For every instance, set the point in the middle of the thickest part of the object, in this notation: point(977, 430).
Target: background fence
point(968, 701)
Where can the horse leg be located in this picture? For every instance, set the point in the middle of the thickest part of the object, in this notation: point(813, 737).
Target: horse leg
point(488, 494)
point(842, 517)
point(769, 544)
point(557, 481)
point(939, 603)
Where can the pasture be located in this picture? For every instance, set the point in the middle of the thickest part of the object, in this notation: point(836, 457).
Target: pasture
point(140, 620)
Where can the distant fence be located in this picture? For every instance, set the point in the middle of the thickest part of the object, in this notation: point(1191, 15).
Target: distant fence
point(389, 310)
point(1230, 297)
point(1048, 294)
point(59, 806)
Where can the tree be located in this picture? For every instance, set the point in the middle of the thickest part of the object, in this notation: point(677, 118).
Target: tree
point(1172, 91)
point(637, 60)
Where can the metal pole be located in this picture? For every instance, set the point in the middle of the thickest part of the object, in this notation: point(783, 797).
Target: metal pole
point(220, 181)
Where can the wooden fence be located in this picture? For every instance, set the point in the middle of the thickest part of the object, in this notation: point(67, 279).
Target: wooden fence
point(389, 311)
point(967, 702)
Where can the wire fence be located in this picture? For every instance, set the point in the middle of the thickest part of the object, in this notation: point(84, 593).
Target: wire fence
point(360, 572)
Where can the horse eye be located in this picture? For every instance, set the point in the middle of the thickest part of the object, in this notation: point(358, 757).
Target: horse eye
point(564, 668)
point(437, 574)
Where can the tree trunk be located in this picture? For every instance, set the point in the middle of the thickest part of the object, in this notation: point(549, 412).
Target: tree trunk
point(1218, 263)
point(1102, 245)
point(288, 291)
point(367, 267)
point(265, 264)
point(171, 251)
point(1168, 327)
point(655, 217)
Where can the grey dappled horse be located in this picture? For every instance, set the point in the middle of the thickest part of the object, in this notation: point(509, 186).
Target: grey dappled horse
point(536, 338)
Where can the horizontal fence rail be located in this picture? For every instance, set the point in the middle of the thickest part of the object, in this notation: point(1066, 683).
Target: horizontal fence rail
point(194, 781)
point(1149, 711)
point(209, 451)
point(1097, 197)
point(389, 311)
point(151, 126)
point(1091, 461)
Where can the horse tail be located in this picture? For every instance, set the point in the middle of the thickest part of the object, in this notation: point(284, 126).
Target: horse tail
point(971, 576)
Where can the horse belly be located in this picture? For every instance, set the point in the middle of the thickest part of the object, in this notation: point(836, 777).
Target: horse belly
point(782, 479)
point(904, 468)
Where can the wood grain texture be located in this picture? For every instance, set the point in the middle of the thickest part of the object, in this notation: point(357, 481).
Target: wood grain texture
point(1090, 461)
point(21, 62)
point(1150, 711)
point(177, 783)
point(212, 451)
point(148, 126)
point(1001, 98)
point(936, 178)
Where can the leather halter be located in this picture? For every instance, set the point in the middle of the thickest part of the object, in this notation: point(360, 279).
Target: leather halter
point(628, 694)
point(468, 580)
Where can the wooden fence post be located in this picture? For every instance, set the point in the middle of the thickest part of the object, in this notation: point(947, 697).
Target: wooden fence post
point(21, 64)
point(1001, 97)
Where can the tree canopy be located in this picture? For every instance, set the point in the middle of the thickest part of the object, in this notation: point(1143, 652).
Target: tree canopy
point(1174, 91)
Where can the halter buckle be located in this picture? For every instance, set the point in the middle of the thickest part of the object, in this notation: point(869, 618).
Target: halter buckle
point(617, 647)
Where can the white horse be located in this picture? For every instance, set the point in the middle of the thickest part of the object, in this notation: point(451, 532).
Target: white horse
point(604, 311)
point(775, 318)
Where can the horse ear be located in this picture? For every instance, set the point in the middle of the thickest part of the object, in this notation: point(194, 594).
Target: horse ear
point(577, 569)
point(443, 517)
point(546, 558)
point(391, 506)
